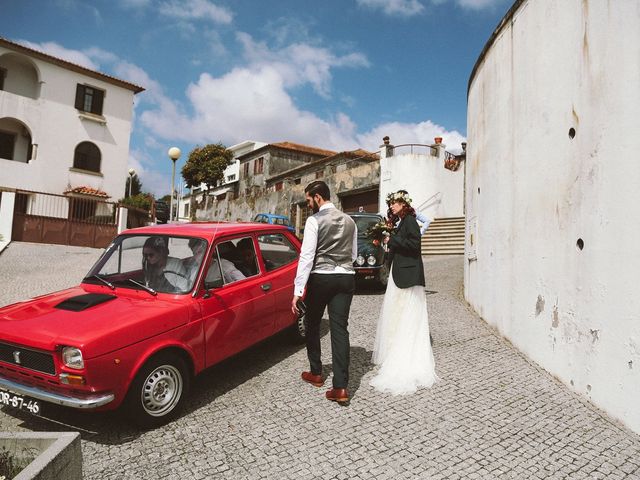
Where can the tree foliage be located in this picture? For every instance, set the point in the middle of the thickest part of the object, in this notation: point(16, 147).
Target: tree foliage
point(205, 165)
point(141, 200)
point(136, 185)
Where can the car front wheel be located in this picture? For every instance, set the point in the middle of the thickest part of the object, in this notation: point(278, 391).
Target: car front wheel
point(158, 391)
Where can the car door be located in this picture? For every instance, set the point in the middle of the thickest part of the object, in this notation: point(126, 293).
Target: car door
point(279, 255)
point(237, 309)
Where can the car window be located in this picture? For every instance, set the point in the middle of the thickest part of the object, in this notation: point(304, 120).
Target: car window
point(233, 260)
point(165, 264)
point(279, 221)
point(364, 223)
point(276, 250)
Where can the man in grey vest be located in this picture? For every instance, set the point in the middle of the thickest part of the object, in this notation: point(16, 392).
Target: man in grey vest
point(329, 248)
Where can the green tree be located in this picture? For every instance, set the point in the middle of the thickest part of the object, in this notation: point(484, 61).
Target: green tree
point(136, 185)
point(205, 165)
point(141, 200)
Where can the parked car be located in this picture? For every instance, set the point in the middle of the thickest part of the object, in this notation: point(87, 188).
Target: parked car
point(371, 263)
point(272, 219)
point(162, 211)
point(155, 310)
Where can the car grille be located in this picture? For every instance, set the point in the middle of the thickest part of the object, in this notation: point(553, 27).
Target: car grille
point(38, 361)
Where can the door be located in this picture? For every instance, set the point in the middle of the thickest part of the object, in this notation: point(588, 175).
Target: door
point(238, 311)
point(278, 257)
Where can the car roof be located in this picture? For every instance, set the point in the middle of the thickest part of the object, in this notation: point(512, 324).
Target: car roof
point(207, 230)
point(363, 214)
point(272, 215)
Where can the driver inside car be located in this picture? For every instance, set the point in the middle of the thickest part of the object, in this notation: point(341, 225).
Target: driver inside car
point(161, 272)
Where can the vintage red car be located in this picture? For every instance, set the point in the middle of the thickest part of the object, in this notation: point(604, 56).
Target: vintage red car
point(160, 305)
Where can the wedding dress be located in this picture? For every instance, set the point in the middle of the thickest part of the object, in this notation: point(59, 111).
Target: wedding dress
point(402, 347)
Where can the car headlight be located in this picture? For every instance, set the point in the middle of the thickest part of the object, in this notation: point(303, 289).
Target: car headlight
point(360, 260)
point(371, 260)
point(72, 358)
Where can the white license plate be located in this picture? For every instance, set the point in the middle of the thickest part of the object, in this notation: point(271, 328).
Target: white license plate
point(14, 400)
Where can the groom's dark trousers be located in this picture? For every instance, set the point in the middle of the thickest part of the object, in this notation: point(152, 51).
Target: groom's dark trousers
point(334, 291)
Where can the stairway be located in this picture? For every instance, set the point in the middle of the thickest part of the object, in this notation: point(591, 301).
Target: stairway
point(445, 236)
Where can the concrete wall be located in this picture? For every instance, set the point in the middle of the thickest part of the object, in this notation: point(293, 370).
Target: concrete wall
point(552, 220)
point(56, 127)
point(435, 191)
point(359, 177)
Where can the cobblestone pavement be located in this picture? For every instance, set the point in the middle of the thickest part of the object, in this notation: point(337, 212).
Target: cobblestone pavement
point(493, 414)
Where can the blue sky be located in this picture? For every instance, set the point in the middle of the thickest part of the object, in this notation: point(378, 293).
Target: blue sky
point(335, 74)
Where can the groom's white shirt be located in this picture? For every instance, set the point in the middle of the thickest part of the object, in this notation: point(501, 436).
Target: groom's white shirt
point(308, 253)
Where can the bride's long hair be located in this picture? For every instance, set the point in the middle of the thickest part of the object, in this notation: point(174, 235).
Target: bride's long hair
point(407, 209)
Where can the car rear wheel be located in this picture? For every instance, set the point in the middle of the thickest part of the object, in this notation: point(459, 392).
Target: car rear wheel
point(158, 391)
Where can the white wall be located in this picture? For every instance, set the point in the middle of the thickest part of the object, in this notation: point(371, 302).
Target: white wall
point(57, 128)
point(426, 180)
point(532, 192)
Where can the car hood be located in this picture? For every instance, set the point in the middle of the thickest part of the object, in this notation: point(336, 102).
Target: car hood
point(107, 322)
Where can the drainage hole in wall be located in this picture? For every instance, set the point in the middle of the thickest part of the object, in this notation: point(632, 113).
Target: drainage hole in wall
point(580, 244)
point(572, 132)
point(478, 190)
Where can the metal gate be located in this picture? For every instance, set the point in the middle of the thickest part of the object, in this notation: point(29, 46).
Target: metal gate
point(64, 220)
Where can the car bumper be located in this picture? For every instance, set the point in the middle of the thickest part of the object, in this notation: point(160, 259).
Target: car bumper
point(88, 402)
point(368, 273)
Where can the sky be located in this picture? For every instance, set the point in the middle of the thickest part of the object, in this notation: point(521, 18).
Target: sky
point(334, 74)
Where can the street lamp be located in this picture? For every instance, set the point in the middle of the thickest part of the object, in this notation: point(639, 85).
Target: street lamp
point(174, 154)
point(132, 172)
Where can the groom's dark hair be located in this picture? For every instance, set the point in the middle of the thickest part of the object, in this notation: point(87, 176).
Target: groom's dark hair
point(320, 188)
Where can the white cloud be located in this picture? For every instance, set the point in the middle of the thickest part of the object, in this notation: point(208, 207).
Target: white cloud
point(403, 133)
point(300, 63)
point(135, 3)
point(402, 8)
point(74, 56)
point(478, 4)
point(196, 9)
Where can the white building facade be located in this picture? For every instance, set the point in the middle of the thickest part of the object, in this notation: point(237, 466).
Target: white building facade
point(553, 190)
point(62, 126)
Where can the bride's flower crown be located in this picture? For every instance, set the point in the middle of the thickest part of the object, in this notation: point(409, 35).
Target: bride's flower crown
point(398, 196)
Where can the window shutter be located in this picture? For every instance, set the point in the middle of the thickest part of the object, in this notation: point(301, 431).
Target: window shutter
point(96, 106)
point(80, 97)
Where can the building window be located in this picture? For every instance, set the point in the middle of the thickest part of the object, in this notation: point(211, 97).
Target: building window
point(7, 145)
point(3, 75)
point(258, 165)
point(186, 210)
point(246, 169)
point(87, 157)
point(231, 178)
point(278, 186)
point(320, 174)
point(89, 99)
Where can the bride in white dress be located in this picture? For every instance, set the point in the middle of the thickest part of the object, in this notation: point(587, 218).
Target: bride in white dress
point(402, 347)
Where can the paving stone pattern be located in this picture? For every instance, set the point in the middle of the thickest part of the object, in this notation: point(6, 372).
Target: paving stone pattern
point(493, 415)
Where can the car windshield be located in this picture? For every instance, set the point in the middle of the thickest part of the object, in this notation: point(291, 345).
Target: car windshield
point(160, 263)
point(364, 223)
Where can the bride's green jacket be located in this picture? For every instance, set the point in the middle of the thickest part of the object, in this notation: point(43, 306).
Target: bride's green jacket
point(404, 245)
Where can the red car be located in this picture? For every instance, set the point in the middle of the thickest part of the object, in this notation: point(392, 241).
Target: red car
point(160, 305)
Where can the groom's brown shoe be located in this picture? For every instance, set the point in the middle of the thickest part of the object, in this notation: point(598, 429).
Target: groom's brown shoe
point(339, 395)
point(315, 380)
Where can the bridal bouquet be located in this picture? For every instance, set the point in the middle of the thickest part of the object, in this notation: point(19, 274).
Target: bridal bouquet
point(380, 230)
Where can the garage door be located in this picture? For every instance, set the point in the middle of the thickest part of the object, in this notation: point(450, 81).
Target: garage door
point(367, 200)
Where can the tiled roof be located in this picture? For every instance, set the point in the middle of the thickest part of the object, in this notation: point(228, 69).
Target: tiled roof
point(303, 148)
point(71, 66)
point(94, 192)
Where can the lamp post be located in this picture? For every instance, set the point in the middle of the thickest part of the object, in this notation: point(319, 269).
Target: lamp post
point(132, 172)
point(174, 154)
